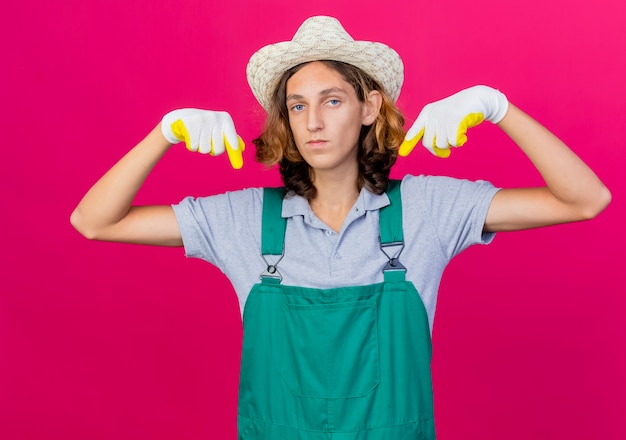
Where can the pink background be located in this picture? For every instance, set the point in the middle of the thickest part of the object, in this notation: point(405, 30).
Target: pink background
point(110, 341)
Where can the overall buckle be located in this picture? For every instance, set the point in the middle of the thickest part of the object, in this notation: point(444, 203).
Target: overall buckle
point(394, 261)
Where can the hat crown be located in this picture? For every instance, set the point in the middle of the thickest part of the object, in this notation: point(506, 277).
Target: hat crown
point(322, 28)
point(323, 38)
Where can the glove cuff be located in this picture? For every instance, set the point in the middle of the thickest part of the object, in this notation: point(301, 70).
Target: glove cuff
point(166, 126)
point(498, 105)
point(168, 135)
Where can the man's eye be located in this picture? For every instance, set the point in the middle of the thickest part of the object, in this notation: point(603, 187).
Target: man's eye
point(334, 102)
point(297, 107)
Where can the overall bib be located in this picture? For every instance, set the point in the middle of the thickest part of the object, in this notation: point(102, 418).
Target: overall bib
point(348, 363)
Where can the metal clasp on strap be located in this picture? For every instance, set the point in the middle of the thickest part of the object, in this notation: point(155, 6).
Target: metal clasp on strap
point(272, 269)
point(394, 262)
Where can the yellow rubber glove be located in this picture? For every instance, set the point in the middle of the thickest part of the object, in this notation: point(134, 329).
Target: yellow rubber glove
point(204, 131)
point(443, 124)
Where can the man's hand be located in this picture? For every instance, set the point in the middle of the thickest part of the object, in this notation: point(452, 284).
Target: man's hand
point(205, 131)
point(444, 124)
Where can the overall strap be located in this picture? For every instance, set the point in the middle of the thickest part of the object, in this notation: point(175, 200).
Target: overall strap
point(273, 227)
point(391, 216)
point(391, 234)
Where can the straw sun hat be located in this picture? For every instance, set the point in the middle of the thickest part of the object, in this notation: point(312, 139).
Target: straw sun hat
point(323, 38)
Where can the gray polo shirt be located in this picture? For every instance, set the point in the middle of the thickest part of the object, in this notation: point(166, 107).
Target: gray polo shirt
point(442, 216)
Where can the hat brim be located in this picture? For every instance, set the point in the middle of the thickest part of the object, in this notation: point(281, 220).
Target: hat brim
point(378, 60)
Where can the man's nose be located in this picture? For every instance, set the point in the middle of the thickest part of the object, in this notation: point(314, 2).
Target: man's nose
point(314, 119)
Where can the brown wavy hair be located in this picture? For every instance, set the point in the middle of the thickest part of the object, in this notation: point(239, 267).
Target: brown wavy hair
point(378, 143)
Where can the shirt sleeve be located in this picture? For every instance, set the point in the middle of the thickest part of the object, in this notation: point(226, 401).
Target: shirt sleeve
point(456, 209)
point(220, 228)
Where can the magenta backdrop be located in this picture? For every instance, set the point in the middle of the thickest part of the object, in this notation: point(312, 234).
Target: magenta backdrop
point(110, 341)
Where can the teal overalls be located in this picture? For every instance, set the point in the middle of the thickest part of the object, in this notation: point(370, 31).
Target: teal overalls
point(349, 363)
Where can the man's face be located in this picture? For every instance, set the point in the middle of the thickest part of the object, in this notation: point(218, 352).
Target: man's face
point(325, 117)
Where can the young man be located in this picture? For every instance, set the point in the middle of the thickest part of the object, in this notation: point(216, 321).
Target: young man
point(337, 332)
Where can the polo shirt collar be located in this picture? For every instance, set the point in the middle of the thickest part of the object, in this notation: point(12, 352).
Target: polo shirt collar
point(294, 205)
